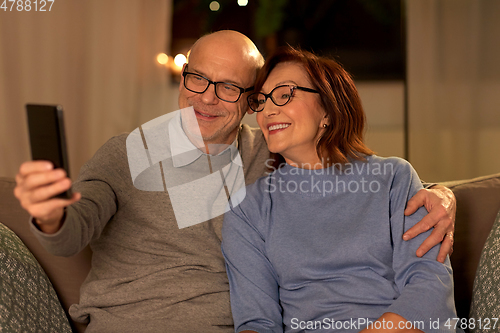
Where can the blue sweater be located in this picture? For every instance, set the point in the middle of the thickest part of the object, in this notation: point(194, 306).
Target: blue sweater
point(313, 250)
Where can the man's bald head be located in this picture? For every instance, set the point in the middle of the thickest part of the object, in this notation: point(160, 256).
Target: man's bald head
point(234, 42)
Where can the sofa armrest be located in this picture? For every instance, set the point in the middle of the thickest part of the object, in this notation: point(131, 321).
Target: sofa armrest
point(478, 202)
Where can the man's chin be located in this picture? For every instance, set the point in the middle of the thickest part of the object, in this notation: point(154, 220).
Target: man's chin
point(210, 137)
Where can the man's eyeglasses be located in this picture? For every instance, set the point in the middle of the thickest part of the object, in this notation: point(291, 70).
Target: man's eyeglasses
point(279, 95)
point(225, 91)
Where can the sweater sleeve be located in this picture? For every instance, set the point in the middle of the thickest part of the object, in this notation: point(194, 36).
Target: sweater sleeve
point(252, 279)
point(99, 181)
point(425, 285)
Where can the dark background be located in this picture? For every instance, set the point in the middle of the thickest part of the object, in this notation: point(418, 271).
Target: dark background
point(366, 36)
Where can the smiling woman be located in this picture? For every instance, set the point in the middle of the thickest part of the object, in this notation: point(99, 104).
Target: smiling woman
point(299, 249)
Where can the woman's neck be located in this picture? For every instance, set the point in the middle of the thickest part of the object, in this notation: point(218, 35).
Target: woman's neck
point(303, 163)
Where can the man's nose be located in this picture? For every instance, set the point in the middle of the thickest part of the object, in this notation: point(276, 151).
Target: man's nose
point(209, 96)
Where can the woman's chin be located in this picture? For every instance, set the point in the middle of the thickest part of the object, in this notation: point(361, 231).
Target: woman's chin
point(275, 149)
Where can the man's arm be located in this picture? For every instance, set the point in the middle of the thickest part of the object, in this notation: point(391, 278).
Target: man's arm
point(441, 205)
point(65, 227)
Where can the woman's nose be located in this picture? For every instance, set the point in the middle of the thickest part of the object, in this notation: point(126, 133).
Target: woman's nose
point(270, 109)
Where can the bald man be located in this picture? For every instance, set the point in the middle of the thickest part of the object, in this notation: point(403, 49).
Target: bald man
point(149, 274)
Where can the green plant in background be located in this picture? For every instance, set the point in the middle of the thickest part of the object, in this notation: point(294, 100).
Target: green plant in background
point(269, 17)
point(381, 11)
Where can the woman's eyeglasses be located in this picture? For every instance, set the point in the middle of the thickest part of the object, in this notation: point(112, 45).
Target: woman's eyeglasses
point(279, 95)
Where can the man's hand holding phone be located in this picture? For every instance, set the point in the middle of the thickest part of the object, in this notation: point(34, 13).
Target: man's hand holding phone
point(37, 185)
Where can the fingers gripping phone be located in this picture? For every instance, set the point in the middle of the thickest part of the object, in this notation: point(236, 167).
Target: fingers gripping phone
point(47, 137)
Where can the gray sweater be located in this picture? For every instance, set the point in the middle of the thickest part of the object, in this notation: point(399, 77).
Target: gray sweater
point(147, 274)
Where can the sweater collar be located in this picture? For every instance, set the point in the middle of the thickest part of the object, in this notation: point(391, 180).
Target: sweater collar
point(184, 152)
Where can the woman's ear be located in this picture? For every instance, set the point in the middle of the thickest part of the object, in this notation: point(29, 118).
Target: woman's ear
point(325, 122)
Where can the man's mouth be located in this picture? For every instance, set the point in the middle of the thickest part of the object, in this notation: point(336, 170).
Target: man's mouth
point(275, 128)
point(204, 116)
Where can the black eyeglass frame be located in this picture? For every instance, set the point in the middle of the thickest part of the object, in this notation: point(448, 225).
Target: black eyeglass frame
point(242, 90)
point(270, 95)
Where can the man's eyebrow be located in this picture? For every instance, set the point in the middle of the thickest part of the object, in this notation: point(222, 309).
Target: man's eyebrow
point(193, 70)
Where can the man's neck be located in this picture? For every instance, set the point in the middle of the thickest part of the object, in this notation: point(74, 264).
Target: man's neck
point(213, 147)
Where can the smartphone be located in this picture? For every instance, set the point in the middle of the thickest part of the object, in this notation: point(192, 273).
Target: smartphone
point(47, 137)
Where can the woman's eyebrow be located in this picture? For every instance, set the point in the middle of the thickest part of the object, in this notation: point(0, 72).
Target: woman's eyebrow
point(285, 82)
point(282, 83)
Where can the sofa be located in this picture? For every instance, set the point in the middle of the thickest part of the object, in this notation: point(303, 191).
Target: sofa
point(478, 203)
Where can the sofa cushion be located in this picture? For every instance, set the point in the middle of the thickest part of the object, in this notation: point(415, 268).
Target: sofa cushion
point(486, 293)
point(28, 302)
point(478, 201)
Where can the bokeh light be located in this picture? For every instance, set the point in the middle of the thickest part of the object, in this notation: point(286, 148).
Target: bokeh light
point(162, 58)
point(214, 6)
point(180, 60)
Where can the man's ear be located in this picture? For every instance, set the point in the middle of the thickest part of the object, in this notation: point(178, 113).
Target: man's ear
point(181, 83)
point(250, 111)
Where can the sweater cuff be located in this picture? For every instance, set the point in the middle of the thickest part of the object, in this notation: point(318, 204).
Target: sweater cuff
point(428, 185)
point(35, 227)
point(259, 330)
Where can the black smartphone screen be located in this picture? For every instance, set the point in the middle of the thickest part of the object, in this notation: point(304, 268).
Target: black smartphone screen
point(47, 137)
